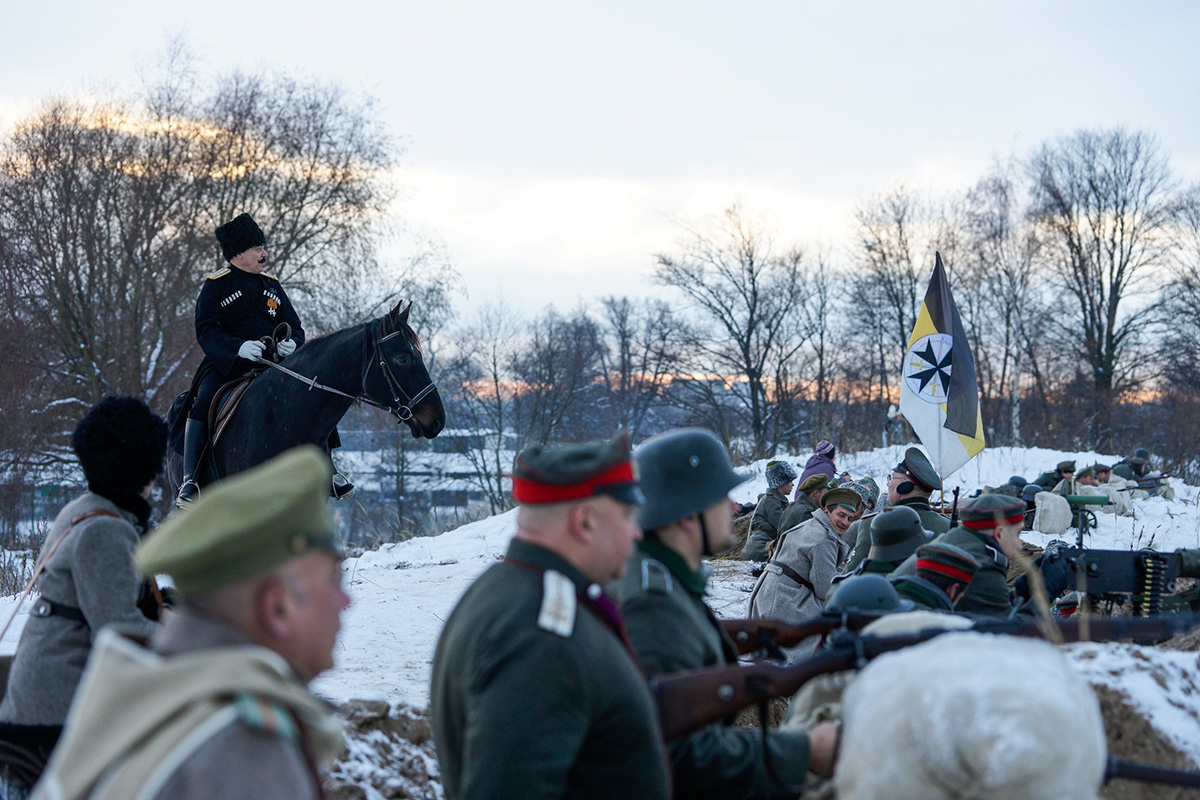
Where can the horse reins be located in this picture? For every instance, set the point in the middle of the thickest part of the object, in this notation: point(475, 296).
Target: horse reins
point(402, 411)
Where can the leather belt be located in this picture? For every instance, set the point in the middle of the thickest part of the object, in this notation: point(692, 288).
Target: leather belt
point(45, 607)
point(796, 576)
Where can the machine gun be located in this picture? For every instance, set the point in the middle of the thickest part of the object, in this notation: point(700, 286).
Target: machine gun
point(768, 635)
point(691, 700)
point(1146, 575)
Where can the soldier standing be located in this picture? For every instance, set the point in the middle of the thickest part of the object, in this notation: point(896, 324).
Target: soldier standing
point(218, 708)
point(686, 476)
point(911, 483)
point(535, 691)
point(88, 580)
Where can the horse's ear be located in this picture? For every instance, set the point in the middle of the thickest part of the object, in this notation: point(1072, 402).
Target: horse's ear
point(389, 320)
point(404, 314)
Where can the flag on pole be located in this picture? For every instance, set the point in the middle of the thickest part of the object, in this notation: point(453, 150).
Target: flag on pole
point(939, 393)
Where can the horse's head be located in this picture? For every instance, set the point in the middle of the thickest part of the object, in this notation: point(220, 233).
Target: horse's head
point(398, 378)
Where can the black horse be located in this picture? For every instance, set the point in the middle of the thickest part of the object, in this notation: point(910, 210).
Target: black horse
point(378, 362)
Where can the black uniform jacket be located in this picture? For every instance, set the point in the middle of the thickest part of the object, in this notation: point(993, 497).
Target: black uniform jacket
point(234, 306)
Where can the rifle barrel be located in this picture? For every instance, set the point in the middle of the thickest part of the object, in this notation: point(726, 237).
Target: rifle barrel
point(748, 634)
point(689, 701)
point(1118, 768)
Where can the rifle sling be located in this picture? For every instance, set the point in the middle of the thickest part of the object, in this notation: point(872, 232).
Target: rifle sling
point(796, 576)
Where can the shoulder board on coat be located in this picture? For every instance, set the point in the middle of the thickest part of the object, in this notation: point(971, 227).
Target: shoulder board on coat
point(221, 273)
point(656, 578)
point(261, 714)
point(559, 604)
point(272, 277)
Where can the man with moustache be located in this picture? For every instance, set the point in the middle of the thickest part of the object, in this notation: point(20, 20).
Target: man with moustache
point(238, 305)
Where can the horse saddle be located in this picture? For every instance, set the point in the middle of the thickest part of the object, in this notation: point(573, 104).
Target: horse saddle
point(225, 403)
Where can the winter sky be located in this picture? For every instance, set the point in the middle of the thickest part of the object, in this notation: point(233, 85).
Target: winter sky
point(552, 147)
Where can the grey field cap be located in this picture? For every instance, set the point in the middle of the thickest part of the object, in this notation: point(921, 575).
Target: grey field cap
point(896, 534)
point(682, 472)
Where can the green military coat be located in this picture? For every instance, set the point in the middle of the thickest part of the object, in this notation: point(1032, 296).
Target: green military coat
point(536, 695)
point(925, 595)
point(860, 531)
point(796, 513)
point(988, 593)
point(672, 629)
point(764, 526)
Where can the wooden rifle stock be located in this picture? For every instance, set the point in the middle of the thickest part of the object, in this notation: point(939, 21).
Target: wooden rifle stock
point(752, 635)
point(689, 701)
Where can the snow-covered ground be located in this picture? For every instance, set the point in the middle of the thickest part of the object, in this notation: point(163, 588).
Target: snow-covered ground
point(403, 592)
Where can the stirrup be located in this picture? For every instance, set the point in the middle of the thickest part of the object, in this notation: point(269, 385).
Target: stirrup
point(342, 488)
point(189, 493)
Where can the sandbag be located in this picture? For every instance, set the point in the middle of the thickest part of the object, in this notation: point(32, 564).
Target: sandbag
point(1053, 515)
point(970, 715)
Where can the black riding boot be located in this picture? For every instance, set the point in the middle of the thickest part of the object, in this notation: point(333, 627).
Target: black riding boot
point(195, 435)
point(342, 488)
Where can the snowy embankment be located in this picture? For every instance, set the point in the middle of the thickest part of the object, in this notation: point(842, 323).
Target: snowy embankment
point(403, 592)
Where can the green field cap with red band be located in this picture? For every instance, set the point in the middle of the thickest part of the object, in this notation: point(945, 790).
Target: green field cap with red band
point(989, 510)
point(948, 560)
point(542, 475)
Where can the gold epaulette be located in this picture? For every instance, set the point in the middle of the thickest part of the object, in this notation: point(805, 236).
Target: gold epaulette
point(221, 273)
point(272, 277)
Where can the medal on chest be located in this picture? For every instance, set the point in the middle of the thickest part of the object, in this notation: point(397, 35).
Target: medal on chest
point(272, 301)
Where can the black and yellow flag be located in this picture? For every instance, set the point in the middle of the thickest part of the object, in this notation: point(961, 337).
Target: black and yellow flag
point(939, 393)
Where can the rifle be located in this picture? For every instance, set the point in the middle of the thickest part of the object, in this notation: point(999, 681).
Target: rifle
point(691, 700)
point(1151, 482)
point(754, 635)
point(954, 508)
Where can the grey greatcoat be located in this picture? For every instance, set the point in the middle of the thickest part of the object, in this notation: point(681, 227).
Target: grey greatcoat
point(813, 551)
point(93, 571)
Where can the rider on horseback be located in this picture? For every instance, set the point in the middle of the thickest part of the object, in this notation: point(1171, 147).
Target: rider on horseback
point(237, 307)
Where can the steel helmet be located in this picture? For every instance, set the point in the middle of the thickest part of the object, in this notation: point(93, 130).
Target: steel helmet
point(682, 472)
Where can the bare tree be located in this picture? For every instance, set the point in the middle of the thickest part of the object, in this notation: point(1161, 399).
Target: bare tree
point(107, 210)
point(1101, 202)
point(480, 388)
point(743, 291)
point(642, 351)
point(557, 368)
point(1000, 301)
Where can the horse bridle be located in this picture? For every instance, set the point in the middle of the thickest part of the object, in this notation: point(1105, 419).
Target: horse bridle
point(402, 410)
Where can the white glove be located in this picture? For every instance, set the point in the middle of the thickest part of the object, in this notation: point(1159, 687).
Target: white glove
point(251, 350)
point(285, 348)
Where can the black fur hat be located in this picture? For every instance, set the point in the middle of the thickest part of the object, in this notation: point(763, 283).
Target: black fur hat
point(120, 444)
point(239, 234)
